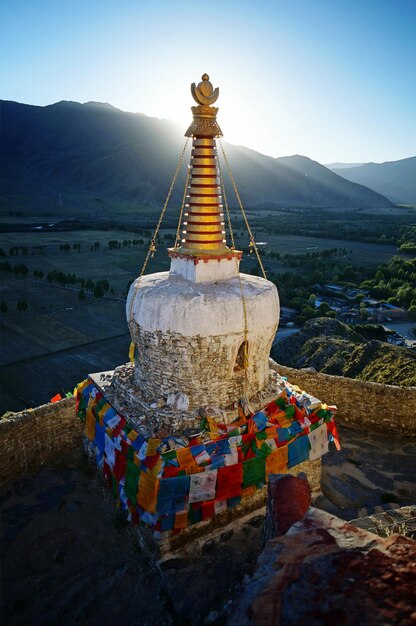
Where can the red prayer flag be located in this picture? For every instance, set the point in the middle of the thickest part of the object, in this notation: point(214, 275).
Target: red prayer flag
point(229, 479)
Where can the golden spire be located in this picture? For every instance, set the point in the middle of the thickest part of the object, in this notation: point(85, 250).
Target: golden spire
point(204, 232)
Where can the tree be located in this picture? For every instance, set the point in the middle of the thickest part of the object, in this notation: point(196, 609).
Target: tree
point(22, 306)
point(307, 313)
point(81, 294)
point(105, 285)
point(98, 291)
point(317, 277)
point(4, 308)
point(324, 308)
point(363, 311)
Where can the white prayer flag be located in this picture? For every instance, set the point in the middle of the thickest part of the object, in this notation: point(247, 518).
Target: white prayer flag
point(318, 439)
point(109, 451)
point(203, 486)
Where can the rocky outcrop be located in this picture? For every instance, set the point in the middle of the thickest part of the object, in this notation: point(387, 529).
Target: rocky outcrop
point(327, 571)
point(331, 347)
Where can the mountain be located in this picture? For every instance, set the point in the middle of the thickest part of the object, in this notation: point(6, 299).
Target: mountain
point(94, 149)
point(341, 166)
point(394, 179)
point(332, 347)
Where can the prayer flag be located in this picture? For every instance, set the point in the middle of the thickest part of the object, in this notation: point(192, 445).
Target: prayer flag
point(203, 486)
point(318, 440)
point(298, 451)
point(90, 425)
point(254, 471)
point(276, 462)
point(132, 481)
point(147, 496)
point(172, 492)
point(229, 482)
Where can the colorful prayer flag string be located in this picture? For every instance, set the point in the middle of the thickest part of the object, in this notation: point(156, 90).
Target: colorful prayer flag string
point(170, 483)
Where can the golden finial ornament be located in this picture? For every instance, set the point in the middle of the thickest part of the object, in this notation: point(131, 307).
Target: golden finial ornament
point(204, 93)
point(205, 115)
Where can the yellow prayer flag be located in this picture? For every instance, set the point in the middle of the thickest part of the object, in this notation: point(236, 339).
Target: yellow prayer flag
point(152, 446)
point(181, 520)
point(213, 428)
point(133, 435)
point(81, 386)
point(187, 461)
point(276, 462)
point(147, 494)
point(89, 425)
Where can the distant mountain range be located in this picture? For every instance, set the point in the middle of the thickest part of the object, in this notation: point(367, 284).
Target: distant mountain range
point(101, 151)
point(394, 179)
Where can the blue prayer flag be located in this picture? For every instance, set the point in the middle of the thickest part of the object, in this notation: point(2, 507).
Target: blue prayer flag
point(298, 451)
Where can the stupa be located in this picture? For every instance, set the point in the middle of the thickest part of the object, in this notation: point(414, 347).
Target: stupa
point(189, 430)
point(203, 330)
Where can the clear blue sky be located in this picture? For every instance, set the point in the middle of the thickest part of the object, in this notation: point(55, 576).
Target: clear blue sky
point(334, 80)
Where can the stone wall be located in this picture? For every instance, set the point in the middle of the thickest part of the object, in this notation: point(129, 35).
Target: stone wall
point(200, 367)
point(365, 405)
point(31, 438)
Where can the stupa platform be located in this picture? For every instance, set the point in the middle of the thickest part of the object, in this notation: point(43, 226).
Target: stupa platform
point(183, 477)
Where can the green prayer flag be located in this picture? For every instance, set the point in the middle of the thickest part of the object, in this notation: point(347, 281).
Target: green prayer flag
point(168, 456)
point(254, 471)
point(132, 480)
point(290, 411)
point(264, 450)
point(281, 403)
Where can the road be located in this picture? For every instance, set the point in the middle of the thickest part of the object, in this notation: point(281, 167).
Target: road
point(284, 333)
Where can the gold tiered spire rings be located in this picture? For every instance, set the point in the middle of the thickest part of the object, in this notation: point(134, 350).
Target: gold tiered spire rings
point(203, 227)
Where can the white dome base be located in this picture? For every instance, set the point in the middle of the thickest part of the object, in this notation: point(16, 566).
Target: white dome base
point(188, 337)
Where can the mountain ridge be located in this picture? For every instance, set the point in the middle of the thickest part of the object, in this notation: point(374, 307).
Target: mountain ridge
point(396, 180)
point(97, 148)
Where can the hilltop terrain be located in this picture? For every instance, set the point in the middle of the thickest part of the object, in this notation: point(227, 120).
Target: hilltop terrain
point(331, 347)
point(51, 153)
point(394, 179)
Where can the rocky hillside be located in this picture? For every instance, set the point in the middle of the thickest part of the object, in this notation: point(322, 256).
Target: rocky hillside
point(101, 150)
point(332, 347)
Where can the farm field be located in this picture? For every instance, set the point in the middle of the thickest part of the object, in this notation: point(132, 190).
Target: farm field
point(44, 353)
point(359, 252)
